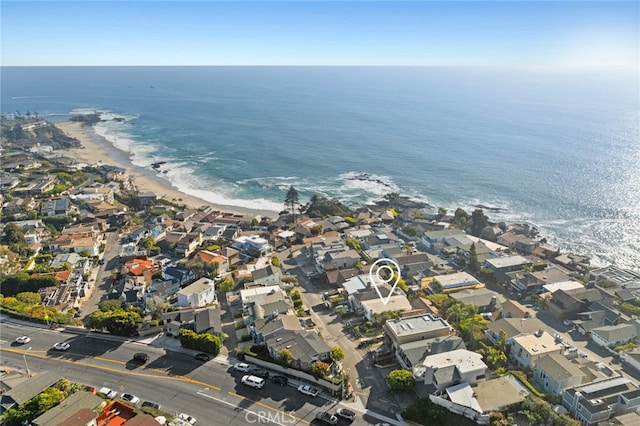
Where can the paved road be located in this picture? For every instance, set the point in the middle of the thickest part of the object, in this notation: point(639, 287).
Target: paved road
point(210, 391)
point(366, 379)
point(101, 275)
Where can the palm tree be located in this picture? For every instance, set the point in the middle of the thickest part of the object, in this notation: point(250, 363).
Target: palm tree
point(291, 200)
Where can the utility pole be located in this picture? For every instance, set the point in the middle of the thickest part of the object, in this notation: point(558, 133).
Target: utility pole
point(24, 355)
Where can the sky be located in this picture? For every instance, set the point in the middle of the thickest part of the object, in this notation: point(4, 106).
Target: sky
point(543, 34)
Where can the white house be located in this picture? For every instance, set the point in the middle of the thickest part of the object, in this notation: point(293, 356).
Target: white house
point(200, 293)
point(611, 336)
point(528, 348)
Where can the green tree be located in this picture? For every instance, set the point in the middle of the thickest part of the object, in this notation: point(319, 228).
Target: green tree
point(291, 200)
point(13, 234)
point(461, 217)
point(110, 305)
point(29, 298)
point(473, 263)
point(337, 354)
point(275, 261)
point(157, 307)
point(226, 285)
point(285, 358)
point(399, 380)
point(442, 212)
point(478, 222)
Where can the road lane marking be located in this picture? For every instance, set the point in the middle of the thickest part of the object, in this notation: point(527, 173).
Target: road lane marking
point(259, 416)
point(299, 419)
point(162, 374)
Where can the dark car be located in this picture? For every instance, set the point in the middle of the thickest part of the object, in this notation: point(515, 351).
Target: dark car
point(280, 380)
point(202, 357)
point(345, 413)
point(327, 418)
point(141, 357)
point(151, 404)
point(259, 372)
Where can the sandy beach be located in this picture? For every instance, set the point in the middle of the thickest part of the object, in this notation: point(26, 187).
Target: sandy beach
point(97, 149)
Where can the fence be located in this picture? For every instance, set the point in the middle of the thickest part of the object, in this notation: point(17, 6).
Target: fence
point(332, 387)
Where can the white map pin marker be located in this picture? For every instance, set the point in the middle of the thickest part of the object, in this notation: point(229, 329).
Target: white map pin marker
point(384, 264)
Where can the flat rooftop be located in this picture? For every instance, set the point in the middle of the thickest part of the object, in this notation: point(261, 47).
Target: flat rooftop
point(416, 324)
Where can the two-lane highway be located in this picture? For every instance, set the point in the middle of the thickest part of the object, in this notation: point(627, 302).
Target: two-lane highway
point(209, 391)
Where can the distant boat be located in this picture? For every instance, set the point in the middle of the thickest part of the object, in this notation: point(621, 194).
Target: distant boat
point(151, 87)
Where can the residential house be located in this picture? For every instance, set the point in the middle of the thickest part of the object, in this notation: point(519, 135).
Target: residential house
point(368, 303)
point(142, 269)
point(62, 259)
point(554, 373)
point(188, 244)
point(200, 320)
point(572, 262)
point(508, 328)
point(27, 389)
point(596, 402)
point(450, 283)
point(611, 336)
point(68, 408)
point(179, 274)
point(528, 348)
point(146, 199)
point(631, 357)
point(599, 314)
point(200, 293)
point(504, 264)
point(565, 304)
point(210, 258)
point(306, 347)
point(232, 254)
point(532, 282)
point(433, 241)
point(263, 328)
point(514, 309)
point(342, 260)
point(410, 339)
point(162, 289)
point(451, 368)
point(56, 207)
point(484, 299)
point(267, 276)
point(18, 205)
point(252, 246)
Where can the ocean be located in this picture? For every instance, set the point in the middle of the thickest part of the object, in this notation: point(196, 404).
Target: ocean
point(556, 149)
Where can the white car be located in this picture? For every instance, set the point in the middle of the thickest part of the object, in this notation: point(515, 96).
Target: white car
point(130, 398)
point(187, 418)
point(109, 393)
point(61, 346)
point(308, 390)
point(241, 366)
point(23, 339)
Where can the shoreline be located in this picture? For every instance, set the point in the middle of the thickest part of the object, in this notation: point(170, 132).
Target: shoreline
point(97, 149)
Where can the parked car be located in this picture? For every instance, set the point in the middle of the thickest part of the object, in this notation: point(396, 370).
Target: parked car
point(259, 372)
point(253, 381)
point(280, 380)
point(187, 418)
point(308, 390)
point(202, 357)
point(109, 393)
point(130, 398)
point(327, 417)
point(61, 346)
point(345, 413)
point(151, 404)
point(141, 357)
point(23, 340)
point(567, 323)
point(241, 366)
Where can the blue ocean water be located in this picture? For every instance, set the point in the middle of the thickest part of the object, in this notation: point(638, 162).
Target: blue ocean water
point(557, 149)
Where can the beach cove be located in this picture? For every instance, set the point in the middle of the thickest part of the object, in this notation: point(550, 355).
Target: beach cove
point(97, 150)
